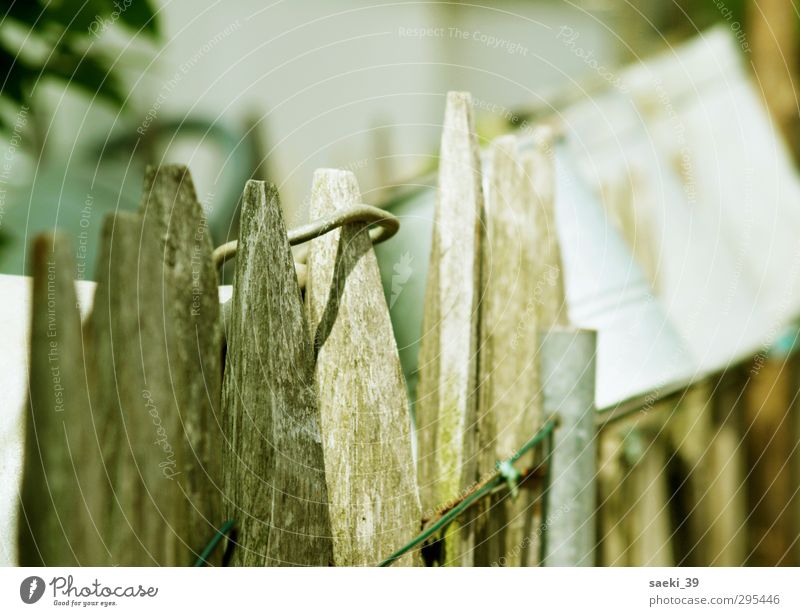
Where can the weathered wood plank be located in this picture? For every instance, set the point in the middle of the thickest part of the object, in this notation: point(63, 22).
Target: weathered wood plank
point(274, 470)
point(448, 371)
point(509, 408)
point(539, 165)
point(182, 268)
point(366, 425)
point(157, 337)
point(426, 404)
point(55, 520)
point(120, 414)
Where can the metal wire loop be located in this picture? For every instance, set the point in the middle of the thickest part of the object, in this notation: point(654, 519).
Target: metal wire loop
point(387, 226)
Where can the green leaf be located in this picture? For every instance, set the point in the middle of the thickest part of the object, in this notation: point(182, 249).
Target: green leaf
point(140, 16)
point(88, 73)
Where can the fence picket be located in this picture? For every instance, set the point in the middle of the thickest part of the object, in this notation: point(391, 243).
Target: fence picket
point(113, 372)
point(274, 472)
point(447, 391)
point(539, 164)
point(155, 364)
point(147, 432)
point(372, 483)
point(187, 278)
point(509, 405)
point(55, 520)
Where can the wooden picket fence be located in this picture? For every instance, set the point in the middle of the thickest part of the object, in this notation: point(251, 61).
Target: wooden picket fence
point(275, 430)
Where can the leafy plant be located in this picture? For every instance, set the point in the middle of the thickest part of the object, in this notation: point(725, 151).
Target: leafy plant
point(55, 39)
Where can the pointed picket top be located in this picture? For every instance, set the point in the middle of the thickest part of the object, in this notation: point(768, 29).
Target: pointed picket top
point(366, 436)
point(539, 163)
point(184, 281)
point(274, 477)
point(509, 407)
point(447, 398)
point(55, 520)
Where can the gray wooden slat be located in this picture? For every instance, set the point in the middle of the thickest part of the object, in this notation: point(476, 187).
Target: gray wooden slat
point(120, 415)
point(274, 473)
point(509, 408)
point(156, 368)
point(141, 431)
point(539, 164)
point(56, 520)
point(449, 346)
point(426, 405)
point(371, 477)
point(181, 274)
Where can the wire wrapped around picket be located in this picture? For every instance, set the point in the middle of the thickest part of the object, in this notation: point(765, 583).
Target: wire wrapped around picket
point(283, 430)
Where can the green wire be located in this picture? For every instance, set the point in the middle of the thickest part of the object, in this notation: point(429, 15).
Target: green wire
point(218, 536)
point(505, 473)
point(495, 481)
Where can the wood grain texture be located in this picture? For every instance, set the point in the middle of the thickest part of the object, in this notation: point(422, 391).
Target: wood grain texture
point(372, 487)
point(274, 465)
point(426, 404)
point(55, 520)
point(539, 165)
point(448, 367)
point(156, 337)
point(509, 408)
point(190, 339)
point(120, 414)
